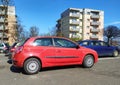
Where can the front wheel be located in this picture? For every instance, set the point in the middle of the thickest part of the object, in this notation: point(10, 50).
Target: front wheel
point(88, 61)
point(32, 66)
point(115, 53)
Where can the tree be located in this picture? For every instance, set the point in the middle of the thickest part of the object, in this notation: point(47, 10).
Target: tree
point(111, 32)
point(34, 31)
point(5, 4)
point(14, 33)
point(18, 32)
point(21, 34)
point(59, 33)
point(52, 31)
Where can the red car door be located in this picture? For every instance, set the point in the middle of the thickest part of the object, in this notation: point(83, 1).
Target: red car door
point(66, 52)
point(45, 50)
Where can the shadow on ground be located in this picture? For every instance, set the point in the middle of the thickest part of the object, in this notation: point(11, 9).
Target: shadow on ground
point(20, 70)
point(9, 61)
point(16, 70)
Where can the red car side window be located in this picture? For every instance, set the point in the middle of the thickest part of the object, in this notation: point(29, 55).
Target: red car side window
point(64, 43)
point(43, 42)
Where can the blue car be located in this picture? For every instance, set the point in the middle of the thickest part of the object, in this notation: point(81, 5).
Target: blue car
point(101, 47)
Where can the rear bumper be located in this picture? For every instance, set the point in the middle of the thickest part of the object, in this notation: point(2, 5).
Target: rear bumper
point(17, 64)
point(17, 60)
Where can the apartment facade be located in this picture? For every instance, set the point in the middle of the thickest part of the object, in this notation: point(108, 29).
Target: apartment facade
point(8, 27)
point(81, 23)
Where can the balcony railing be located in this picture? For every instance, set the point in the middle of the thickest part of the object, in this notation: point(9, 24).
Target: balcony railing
point(1, 28)
point(2, 13)
point(5, 36)
point(74, 15)
point(94, 30)
point(94, 37)
point(75, 22)
point(95, 23)
point(1, 20)
point(74, 29)
point(75, 36)
point(95, 16)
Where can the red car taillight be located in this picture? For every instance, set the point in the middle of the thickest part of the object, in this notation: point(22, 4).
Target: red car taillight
point(12, 49)
point(19, 49)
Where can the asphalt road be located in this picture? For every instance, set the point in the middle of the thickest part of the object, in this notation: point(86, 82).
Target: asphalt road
point(105, 72)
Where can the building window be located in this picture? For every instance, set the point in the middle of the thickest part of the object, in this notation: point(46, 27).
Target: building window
point(74, 27)
point(88, 13)
point(81, 20)
point(94, 34)
point(87, 34)
point(74, 19)
point(88, 27)
point(88, 20)
point(74, 12)
point(81, 13)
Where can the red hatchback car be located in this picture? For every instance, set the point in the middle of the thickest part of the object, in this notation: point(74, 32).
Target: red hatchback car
point(39, 52)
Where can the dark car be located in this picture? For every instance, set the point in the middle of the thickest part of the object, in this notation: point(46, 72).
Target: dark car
point(39, 52)
point(101, 47)
point(4, 47)
point(11, 49)
point(118, 48)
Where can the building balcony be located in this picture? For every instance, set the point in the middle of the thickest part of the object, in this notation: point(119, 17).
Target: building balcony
point(94, 37)
point(75, 36)
point(74, 22)
point(94, 30)
point(2, 13)
point(5, 36)
point(95, 23)
point(77, 15)
point(95, 16)
point(1, 28)
point(74, 29)
point(5, 30)
point(1, 20)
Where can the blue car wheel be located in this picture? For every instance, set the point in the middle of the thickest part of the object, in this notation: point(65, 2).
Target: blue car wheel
point(115, 53)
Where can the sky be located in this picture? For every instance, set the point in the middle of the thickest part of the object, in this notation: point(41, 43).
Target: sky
point(44, 13)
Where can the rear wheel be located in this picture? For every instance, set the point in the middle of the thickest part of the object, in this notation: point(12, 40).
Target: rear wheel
point(115, 53)
point(88, 61)
point(32, 66)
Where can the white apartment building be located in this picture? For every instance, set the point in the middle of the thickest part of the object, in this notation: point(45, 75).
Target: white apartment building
point(10, 29)
point(81, 23)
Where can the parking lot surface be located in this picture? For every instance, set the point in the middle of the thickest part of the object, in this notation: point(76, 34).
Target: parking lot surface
point(105, 72)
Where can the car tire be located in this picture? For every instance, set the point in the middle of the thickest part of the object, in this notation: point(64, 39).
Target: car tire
point(115, 53)
point(1, 51)
point(32, 66)
point(88, 61)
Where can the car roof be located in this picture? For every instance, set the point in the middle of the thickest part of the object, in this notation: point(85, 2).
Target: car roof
point(91, 40)
point(50, 37)
point(46, 37)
